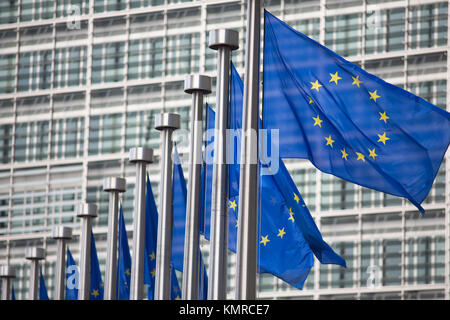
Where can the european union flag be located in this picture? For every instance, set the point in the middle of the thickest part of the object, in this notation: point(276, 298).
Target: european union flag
point(13, 294)
point(288, 236)
point(151, 227)
point(124, 263)
point(43, 295)
point(179, 196)
point(72, 277)
point(348, 122)
point(96, 288)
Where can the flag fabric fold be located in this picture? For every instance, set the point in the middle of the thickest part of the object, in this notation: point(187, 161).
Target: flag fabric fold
point(96, 287)
point(124, 261)
point(43, 295)
point(286, 247)
point(72, 277)
point(346, 121)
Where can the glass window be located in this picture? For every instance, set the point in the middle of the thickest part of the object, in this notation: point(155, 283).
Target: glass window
point(385, 30)
point(428, 25)
point(183, 54)
point(145, 58)
point(107, 62)
point(7, 73)
point(343, 34)
point(8, 12)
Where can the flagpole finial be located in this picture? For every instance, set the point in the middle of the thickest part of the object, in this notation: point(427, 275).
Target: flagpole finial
point(167, 121)
point(35, 253)
point(223, 37)
point(61, 232)
point(87, 210)
point(114, 184)
point(197, 82)
point(141, 154)
point(7, 271)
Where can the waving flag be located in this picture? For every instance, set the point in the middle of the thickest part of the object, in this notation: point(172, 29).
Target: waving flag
point(72, 277)
point(124, 264)
point(43, 295)
point(348, 122)
point(96, 289)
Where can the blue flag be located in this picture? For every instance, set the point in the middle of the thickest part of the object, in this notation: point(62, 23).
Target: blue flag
point(13, 294)
point(124, 263)
point(42, 289)
point(96, 288)
point(72, 278)
point(348, 122)
point(286, 246)
point(179, 196)
point(151, 233)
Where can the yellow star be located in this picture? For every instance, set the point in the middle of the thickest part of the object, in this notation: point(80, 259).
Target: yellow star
point(296, 198)
point(152, 256)
point(329, 141)
point(237, 223)
point(264, 240)
point(153, 273)
point(344, 154)
point(291, 215)
point(315, 85)
point(356, 81)
point(127, 272)
point(281, 233)
point(383, 138)
point(317, 121)
point(383, 117)
point(373, 154)
point(310, 100)
point(374, 96)
point(335, 77)
point(360, 157)
point(232, 204)
point(178, 298)
point(95, 293)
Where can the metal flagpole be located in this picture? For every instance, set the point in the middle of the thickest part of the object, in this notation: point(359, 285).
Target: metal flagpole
point(197, 85)
point(61, 234)
point(166, 123)
point(34, 254)
point(224, 41)
point(7, 273)
point(247, 243)
point(140, 156)
point(86, 211)
point(114, 186)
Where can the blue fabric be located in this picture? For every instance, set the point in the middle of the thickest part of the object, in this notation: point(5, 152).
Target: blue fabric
point(43, 295)
point(72, 278)
point(124, 264)
point(13, 294)
point(151, 233)
point(285, 247)
point(348, 122)
point(96, 288)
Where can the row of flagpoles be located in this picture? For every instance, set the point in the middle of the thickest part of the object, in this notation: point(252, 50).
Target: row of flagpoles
point(223, 41)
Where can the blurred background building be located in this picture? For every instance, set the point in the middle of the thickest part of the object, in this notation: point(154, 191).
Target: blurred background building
point(80, 82)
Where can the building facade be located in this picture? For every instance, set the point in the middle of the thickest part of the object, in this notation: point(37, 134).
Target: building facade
point(80, 83)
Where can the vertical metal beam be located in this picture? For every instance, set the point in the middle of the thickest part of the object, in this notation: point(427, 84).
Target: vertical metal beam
point(247, 243)
point(7, 273)
point(166, 123)
point(114, 186)
point(140, 156)
point(223, 41)
point(34, 254)
point(197, 85)
point(85, 211)
point(61, 234)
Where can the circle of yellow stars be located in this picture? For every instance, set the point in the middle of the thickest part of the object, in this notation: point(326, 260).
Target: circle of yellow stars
point(373, 95)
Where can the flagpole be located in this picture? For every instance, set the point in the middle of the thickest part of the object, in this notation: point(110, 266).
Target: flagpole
point(224, 41)
point(166, 123)
point(246, 265)
point(61, 234)
point(7, 273)
point(85, 211)
point(113, 185)
point(141, 156)
point(197, 85)
point(34, 254)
